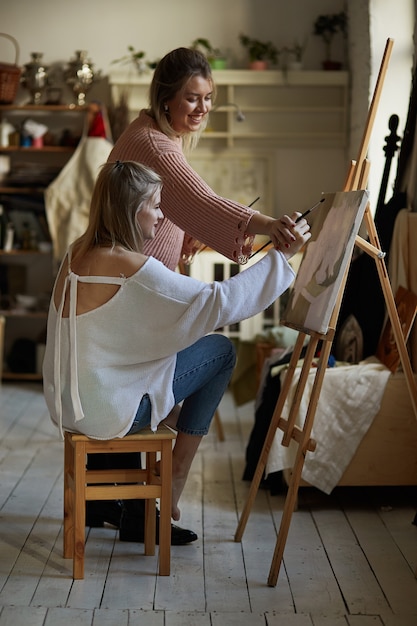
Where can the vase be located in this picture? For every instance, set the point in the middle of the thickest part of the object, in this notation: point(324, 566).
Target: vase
point(258, 65)
point(35, 77)
point(218, 64)
point(331, 66)
point(79, 76)
point(295, 66)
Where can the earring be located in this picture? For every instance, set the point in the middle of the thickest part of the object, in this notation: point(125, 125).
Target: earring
point(166, 109)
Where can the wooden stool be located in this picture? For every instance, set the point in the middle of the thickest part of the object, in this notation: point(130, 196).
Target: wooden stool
point(81, 485)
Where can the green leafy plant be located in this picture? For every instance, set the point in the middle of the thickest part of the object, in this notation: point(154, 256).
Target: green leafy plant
point(138, 59)
point(297, 50)
point(258, 50)
point(327, 26)
point(215, 56)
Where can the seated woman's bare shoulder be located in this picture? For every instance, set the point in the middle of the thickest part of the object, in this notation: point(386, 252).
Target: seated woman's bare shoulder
point(109, 261)
point(100, 261)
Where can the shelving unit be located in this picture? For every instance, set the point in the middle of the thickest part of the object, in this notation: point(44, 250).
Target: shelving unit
point(31, 271)
point(294, 108)
point(28, 273)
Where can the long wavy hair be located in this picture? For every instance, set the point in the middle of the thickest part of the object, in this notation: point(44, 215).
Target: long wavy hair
point(171, 76)
point(121, 189)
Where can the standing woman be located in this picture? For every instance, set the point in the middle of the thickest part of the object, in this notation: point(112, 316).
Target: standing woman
point(181, 96)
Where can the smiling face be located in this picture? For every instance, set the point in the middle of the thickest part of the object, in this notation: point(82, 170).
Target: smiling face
point(149, 215)
point(191, 105)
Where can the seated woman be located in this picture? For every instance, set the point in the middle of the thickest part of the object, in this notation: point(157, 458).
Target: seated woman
point(127, 338)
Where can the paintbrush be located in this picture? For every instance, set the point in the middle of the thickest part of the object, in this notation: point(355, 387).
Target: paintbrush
point(297, 220)
point(309, 210)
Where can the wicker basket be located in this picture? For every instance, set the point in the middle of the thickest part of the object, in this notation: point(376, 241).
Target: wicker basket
point(9, 75)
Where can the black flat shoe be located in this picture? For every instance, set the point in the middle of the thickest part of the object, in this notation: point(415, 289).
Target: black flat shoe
point(99, 512)
point(132, 529)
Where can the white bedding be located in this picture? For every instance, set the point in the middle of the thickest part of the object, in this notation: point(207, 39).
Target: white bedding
point(350, 398)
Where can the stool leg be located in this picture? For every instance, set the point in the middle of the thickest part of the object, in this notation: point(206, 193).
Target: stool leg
point(79, 511)
point(219, 426)
point(68, 499)
point(165, 509)
point(150, 507)
point(150, 526)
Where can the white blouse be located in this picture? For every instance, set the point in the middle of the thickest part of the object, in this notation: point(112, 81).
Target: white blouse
point(99, 364)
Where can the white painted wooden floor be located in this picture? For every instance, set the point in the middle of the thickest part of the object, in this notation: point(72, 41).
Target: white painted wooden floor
point(349, 560)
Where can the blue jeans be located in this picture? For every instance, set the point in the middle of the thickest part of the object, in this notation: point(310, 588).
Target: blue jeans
point(202, 374)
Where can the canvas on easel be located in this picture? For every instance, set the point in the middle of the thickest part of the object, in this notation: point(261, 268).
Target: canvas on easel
point(334, 227)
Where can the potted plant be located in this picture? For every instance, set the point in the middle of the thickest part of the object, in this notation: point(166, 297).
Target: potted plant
point(214, 56)
point(326, 27)
point(137, 58)
point(260, 53)
point(296, 54)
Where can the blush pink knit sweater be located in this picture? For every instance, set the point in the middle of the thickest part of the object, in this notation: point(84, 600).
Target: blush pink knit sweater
point(189, 205)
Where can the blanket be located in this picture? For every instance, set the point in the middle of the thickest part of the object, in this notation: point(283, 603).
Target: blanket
point(350, 398)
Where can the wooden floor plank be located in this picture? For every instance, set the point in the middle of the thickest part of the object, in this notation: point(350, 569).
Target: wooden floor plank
point(399, 620)
point(238, 619)
point(276, 619)
point(398, 521)
point(311, 578)
point(146, 618)
point(364, 620)
point(328, 620)
point(224, 564)
point(20, 514)
point(386, 561)
point(66, 617)
point(22, 616)
point(88, 593)
point(133, 578)
point(358, 584)
point(56, 581)
point(111, 617)
point(184, 618)
point(184, 590)
point(259, 536)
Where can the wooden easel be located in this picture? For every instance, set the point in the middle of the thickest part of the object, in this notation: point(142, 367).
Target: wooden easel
point(356, 179)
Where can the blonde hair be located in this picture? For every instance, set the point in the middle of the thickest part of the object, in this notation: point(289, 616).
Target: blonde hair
point(171, 76)
point(121, 189)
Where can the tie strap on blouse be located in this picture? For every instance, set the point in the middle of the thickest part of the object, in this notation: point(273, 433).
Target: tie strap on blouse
point(71, 284)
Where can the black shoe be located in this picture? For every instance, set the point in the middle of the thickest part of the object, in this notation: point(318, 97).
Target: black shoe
point(132, 529)
point(99, 512)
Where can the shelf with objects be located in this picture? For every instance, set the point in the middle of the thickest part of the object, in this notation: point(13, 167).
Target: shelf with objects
point(292, 107)
point(36, 142)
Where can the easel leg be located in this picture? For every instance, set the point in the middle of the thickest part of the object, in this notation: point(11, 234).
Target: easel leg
point(292, 494)
point(260, 468)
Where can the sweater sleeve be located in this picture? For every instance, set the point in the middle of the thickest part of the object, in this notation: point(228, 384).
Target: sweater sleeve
point(189, 202)
point(185, 309)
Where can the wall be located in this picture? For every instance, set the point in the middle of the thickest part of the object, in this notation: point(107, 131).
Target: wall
point(394, 20)
point(105, 29)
